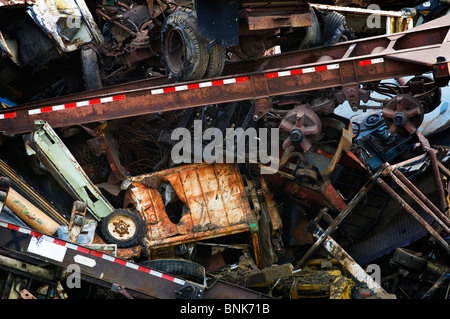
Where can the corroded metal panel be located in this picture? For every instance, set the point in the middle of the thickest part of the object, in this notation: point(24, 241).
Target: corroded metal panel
point(214, 200)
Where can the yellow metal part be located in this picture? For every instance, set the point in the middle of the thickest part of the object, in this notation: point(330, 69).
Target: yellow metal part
point(314, 281)
point(321, 284)
point(446, 186)
point(398, 24)
point(341, 288)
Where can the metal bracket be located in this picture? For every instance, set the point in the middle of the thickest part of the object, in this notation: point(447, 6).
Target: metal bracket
point(189, 292)
point(76, 220)
point(121, 290)
point(262, 107)
point(353, 94)
point(25, 294)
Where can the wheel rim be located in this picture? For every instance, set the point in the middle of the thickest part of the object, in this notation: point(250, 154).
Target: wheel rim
point(122, 228)
point(302, 123)
point(175, 50)
point(403, 114)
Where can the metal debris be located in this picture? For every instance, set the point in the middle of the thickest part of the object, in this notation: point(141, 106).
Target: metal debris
point(94, 202)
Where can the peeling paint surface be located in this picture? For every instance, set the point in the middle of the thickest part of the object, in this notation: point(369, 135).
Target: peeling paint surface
point(213, 200)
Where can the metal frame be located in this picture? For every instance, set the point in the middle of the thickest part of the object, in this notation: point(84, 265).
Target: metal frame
point(347, 65)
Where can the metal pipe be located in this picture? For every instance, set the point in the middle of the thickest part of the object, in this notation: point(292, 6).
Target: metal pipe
point(30, 214)
point(421, 196)
point(435, 286)
point(444, 169)
point(435, 169)
point(437, 178)
point(385, 13)
point(418, 201)
point(411, 211)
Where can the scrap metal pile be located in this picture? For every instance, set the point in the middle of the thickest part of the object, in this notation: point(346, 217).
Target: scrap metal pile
point(113, 130)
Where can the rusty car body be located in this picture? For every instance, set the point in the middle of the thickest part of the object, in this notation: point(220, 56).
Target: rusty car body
point(198, 202)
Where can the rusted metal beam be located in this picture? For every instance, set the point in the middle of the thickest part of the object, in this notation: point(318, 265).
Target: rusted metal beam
point(406, 184)
point(386, 13)
point(145, 101)
point(101, 267)
point(262, 20)
point(336, 221)
point(350, 264)
point(413, 213)
point(355, 62)
point(435, 169)
point(420, 45)
point(110, 271)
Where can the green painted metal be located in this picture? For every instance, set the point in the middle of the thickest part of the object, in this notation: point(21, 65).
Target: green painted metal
point(57, 158)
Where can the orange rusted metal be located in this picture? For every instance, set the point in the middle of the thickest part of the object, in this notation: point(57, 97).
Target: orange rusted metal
point(214, 199)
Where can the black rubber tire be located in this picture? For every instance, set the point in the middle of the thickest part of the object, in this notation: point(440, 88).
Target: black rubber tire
point(406, 258)
point(89, 68)
point(181, 268)
point(313, 34)
point(130, 240)
point(191, 60)
point(335, 29)
point(217, 58)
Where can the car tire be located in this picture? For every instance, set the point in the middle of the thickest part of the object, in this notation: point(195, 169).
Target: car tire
point(122, 228)
point(182, 268)
point(217, 58)
point(183, 48)
point(89, 68)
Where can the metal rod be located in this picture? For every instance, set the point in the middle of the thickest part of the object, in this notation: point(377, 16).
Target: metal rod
point(435, 169)
point(435, 286)
point(335, 223)
point(411, 211)
point(444, 169)
point(418, 201)
point(421, 196)
point(437, 177)
point(351, 265)
point(385, 13)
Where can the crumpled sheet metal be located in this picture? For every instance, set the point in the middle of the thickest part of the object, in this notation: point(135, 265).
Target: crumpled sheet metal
point(213, 194)
point(69, 23)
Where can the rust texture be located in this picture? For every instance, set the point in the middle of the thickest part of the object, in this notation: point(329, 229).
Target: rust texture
point(405, 53)
point(214, 197)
